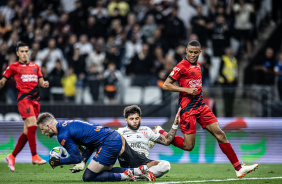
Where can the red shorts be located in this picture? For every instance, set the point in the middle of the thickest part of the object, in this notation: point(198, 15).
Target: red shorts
point(204, 116)
point(28, 108)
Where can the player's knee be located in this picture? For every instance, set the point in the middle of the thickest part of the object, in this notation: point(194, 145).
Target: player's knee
point(165, 166)
point(89, 175)
point(188, 147)
point(221, 137)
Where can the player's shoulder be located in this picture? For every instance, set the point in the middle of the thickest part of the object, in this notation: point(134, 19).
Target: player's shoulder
point(122, 130)
point(33, 64)
point(15, 64)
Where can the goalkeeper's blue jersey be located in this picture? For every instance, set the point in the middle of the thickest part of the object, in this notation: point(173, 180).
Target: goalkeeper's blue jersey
point(75, 132)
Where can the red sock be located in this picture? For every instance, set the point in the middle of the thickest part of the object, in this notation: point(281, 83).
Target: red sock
point(31, 139)
point(177, 141)
point(20, 144)
point(227, 149)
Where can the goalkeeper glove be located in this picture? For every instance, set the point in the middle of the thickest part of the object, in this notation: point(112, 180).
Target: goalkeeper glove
point(78, 167)
point(54, 161)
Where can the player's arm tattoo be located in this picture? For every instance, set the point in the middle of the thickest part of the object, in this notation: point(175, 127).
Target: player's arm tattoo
point(167, 139)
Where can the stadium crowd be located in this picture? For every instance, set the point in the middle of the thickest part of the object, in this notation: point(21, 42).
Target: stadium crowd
point(99, 44)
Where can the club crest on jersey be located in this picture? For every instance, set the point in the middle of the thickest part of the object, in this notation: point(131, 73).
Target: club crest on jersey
point(34, 70)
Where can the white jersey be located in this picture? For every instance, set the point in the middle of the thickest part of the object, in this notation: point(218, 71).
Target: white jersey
point(139, 139)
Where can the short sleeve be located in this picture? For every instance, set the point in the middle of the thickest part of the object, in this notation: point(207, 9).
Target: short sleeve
point(8, 73)
point(175, 73)
point(153, 135)
point(39, 73)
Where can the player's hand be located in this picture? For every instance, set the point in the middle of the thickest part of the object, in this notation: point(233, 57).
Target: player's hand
point(45, 84)
point(177, 117)
point(54, 161)
point(191, 91)
point(78, 167)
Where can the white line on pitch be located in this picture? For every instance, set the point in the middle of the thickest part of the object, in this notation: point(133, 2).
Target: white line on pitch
point(231, 179)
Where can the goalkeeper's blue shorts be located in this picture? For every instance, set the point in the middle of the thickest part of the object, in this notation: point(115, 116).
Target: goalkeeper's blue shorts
point(107, 153)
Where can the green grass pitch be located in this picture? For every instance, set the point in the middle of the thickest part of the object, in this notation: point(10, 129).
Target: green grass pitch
point(179, 173)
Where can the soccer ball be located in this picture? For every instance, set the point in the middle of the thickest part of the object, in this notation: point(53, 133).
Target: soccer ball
point(59, 152)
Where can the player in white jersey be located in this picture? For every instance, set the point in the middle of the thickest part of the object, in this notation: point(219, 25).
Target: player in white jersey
point(138, 138)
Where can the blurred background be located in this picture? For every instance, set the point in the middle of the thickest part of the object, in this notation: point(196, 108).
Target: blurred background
point(100, 56)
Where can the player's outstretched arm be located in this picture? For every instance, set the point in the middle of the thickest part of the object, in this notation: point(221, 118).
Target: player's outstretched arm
point(2, 82)
point(170, 86)
point(168, 138)
point(43, 83)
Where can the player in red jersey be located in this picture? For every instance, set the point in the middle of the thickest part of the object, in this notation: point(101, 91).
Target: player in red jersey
point(27, 76)
point(188, 75)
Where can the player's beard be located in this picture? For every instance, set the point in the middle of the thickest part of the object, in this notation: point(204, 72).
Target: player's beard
point(132, 127)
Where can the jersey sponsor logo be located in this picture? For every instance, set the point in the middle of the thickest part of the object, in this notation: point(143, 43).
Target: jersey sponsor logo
point(128, 135)
point(64, 124)
point(195, 83)
point(138, 145)
point(171, 73)
point(29, 78)
point(63, 142)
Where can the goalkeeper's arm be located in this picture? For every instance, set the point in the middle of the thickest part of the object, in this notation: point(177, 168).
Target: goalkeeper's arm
point(85, 156)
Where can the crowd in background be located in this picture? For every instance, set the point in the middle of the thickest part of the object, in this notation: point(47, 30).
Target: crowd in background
point(99, 44)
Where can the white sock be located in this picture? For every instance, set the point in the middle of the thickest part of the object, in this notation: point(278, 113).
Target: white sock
point(160, 169)
point(123, 176)
point(137, 171)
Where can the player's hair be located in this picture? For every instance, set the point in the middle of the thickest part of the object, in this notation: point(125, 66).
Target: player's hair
point(21, 44)
point(44, 118)
point(132, 109)
point(194, 43)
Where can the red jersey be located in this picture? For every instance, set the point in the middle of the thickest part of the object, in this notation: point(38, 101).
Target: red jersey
point(26, 77)
point(188, 75)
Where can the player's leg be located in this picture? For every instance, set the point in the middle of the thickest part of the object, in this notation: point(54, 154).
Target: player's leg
point(99, 169)
point(21, 141)
point(139, 162)
point(161, 168)
point(226, 148)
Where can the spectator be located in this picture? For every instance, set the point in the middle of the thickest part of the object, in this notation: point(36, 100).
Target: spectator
point(174, 32)
point(228, 80)
point(84, 45)
point(198, 26)
point(55, 80)
point(68, 83)
point(79, 65)
point(278, 73)
point(69, 48)
point(4, 27)
point(63, 26)
point(264, 74)
point(94, 80)
point(148, 29)
point(78, 17)
point(112, 56)
point(50, 55)
point(141, 67)
point(243, 25)
point(11, 84)
point(220, 36)
point(49, 14)
point(112, 79)
point(97, 56)
point(9, 11)
point(44, 92)
point(205, 67)
point(122, 6)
